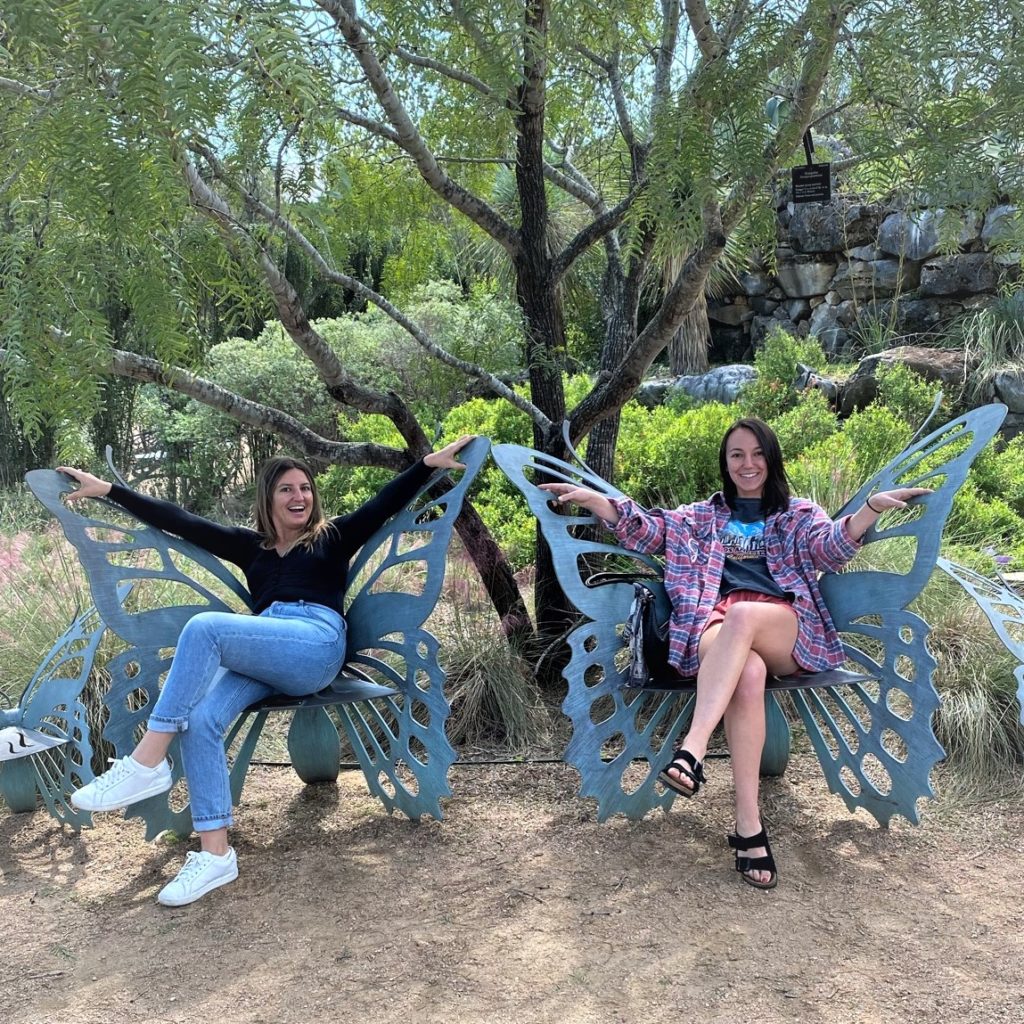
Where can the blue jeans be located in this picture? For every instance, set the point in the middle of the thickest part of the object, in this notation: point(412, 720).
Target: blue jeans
point(225, 662)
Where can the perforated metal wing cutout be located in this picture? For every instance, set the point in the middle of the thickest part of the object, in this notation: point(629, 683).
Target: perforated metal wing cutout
point(48, 732)
point(1003, 608)
point(874, 740)
point(612, 727)
point(397, 732)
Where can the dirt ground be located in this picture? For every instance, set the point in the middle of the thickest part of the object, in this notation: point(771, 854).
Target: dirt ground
point(519, 907)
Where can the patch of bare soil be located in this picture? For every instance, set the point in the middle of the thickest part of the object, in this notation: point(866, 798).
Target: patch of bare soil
point(520, 907)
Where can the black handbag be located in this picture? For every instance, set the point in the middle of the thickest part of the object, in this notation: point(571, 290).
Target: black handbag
point(646, 637)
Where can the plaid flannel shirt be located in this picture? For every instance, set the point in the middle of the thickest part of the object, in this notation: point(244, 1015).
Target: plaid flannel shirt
point(800, 543)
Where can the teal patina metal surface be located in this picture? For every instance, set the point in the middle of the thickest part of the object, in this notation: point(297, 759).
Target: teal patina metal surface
point(51, 704)
point(872, 734)
point(389, 697)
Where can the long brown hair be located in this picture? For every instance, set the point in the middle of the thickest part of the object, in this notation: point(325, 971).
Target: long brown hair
point(270, 472)
point(775, 496)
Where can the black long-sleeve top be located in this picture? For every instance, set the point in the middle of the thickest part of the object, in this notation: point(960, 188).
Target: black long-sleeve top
point(318, 574)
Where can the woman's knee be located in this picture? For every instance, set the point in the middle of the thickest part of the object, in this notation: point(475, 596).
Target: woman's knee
point(203, 627)
point(753, 677)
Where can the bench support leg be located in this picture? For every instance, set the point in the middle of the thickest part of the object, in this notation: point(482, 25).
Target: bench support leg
point(18, 784)
point(775, 755)
point(314, 746)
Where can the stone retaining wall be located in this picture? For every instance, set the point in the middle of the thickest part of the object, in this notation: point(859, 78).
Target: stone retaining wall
point(841, 267)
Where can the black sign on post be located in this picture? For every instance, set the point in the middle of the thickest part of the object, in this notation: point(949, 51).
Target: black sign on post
point(813, 183)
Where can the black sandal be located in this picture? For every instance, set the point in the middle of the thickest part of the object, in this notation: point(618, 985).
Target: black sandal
point(686, 764)
point(744, 865)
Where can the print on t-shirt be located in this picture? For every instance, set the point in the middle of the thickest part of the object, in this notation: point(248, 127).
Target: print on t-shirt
point(743, 540)
point(746, 564)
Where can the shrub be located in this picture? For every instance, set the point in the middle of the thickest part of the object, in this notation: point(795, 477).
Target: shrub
point(772, 393)
point(809, 422)
point(664, 459)
point(905, 393)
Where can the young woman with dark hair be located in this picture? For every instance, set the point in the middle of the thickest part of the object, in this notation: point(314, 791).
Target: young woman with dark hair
point(296, 566)
point(741, 571)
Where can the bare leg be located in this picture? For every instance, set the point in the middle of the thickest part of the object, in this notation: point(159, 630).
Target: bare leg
point(745, 733)
point(215, 841)
point(768, 629)
point(152, 748)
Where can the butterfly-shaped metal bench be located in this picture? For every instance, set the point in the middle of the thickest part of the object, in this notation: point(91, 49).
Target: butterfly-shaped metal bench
point(870, 727)
point(389, 697)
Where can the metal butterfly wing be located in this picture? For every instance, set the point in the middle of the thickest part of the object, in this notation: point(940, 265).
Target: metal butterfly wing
point(875, 740)
point(1003, 608)
point(145, 586)
point(45, 745)
point(395, 582)
point(612, 726)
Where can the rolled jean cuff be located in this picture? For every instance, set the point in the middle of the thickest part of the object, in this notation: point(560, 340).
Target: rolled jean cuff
point(174, 725)
point(212, 822)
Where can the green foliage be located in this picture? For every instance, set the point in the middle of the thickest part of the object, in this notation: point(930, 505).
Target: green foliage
point(481, 328)
point(993, 339)
point(986, 521)
point(665, 459)
point(998, 472)
point(809, 422)
point(772, 392)
point(832, 470)
point(905, 393)
point(206, 454)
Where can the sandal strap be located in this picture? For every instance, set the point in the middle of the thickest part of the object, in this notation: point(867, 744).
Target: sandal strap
point(738, 842)
point(685, 763)
point(748, 864)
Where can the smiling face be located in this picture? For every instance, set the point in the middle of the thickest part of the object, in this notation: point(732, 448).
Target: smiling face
point(291, 504)
point(746, 463)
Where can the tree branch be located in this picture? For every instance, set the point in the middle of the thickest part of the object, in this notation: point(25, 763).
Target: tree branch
point(407, 135)
point(23, 90)
point(592, 233)
point(812, 77)
point(318, 350)
point(255, 414)
point(709, 42)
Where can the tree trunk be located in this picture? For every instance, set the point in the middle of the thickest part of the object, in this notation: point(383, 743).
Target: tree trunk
point(688, 349)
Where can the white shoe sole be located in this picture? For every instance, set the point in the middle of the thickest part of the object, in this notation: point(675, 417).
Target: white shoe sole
point(85, 804)
point(184, 901)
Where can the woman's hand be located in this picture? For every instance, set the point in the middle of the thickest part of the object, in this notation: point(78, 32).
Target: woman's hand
point(590, 500)
point(882, 501)
point(445, 458)
point(89, 486)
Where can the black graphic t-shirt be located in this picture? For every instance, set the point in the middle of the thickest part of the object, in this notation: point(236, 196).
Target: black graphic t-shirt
point(746, 567)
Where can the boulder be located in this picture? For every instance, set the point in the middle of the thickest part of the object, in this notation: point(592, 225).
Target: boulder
point(762, 305)
point(732, 314)
point(825, 326)
point(826, 228)
point(804, 279)
point(921, 234)
point(755, 282)
point(1008, 388)
point(857, 279)
point(722, 384)
point(960, 274)
point(1002, 225)
point(949, 367)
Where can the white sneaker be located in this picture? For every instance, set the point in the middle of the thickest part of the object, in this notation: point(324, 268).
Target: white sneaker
point(200, 873)
point(126, 783)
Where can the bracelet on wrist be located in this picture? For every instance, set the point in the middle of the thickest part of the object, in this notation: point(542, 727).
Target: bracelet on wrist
point(877, 511)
